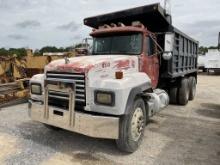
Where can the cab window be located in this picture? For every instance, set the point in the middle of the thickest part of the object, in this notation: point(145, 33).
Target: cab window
point(150, 46)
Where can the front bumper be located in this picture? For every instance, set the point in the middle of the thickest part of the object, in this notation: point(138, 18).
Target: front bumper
point(86, 124)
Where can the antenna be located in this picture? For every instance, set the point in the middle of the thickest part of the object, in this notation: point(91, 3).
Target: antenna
point(219, 41)
point(167, 7)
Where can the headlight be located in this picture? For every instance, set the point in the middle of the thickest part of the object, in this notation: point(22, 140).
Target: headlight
point(36, 89)
point(105, 98)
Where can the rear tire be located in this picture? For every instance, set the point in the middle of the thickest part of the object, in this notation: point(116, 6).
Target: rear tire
point(183, 92)
point(132, 127)
point(173, 95)
point(192, 88)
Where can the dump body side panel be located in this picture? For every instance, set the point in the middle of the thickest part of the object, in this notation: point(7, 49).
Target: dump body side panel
point(185, 56)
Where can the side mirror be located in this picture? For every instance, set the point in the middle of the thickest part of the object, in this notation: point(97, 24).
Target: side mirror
point(168, 46)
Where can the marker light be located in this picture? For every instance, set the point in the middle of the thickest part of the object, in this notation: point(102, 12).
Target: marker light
point(119, 75)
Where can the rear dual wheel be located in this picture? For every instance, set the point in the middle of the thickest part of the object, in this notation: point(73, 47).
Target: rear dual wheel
point(184, 92)
point(192, 88)
point(173, 95)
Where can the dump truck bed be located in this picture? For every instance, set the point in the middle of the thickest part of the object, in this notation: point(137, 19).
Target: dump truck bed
point(184, 59)
point(152, 16)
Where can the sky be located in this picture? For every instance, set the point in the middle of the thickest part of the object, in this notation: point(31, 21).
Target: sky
point(37, 23)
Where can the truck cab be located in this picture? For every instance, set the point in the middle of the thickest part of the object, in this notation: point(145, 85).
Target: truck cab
point(113, 92)
point(133, 40)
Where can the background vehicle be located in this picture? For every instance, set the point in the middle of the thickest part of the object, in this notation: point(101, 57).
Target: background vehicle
point(13, 81)
point(15, 74)
point(137, 56)
point(212, 60)
point(201, 63)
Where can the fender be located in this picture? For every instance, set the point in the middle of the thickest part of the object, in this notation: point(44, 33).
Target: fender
point(125, 91)
point(136, 91)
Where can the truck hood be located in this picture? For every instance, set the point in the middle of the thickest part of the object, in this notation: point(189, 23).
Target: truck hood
point(95, 64)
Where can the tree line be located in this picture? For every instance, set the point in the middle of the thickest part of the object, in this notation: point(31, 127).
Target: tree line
point(20, 52)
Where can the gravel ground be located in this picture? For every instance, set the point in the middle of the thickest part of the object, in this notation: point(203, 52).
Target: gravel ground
point(177, 135)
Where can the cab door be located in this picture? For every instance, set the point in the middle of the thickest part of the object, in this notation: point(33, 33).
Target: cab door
point(150, 61)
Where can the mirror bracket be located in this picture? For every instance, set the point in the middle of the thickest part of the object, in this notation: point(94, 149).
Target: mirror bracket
point(168, 46)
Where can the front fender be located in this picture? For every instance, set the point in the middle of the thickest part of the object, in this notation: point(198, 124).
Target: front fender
point(136, 91)
point(125, 91)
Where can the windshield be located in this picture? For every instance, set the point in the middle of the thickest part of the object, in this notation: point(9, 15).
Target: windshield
point(118, 44)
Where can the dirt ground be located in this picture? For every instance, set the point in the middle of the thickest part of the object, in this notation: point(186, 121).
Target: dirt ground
point(178, 135)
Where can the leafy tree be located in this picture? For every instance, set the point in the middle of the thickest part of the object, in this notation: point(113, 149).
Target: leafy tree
point(3, 52)
point(19, 52)
point(37, 52)
point(69, 49)
point(213, 47)
point(51, 49)
point(203, 50)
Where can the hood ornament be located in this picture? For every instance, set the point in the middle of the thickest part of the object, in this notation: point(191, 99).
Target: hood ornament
point(67, 61)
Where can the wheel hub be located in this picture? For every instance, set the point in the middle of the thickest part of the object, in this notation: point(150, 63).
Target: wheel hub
point(137, 124)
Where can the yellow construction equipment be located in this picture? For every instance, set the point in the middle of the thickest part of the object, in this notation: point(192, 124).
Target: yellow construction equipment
point(15, 74)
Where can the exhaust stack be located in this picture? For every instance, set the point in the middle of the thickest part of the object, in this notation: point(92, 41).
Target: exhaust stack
point(167, 7)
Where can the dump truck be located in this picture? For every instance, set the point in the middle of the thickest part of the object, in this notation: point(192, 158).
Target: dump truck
point(140, 62)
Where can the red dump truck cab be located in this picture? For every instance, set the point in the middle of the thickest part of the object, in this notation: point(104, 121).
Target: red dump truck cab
point(148, 54)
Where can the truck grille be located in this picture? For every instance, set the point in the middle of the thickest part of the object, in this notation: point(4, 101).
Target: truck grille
point(61, 99)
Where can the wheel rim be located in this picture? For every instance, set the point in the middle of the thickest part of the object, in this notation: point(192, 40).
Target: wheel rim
point(137, 124)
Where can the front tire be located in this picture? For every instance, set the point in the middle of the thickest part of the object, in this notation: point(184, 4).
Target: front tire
point(132, 127)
